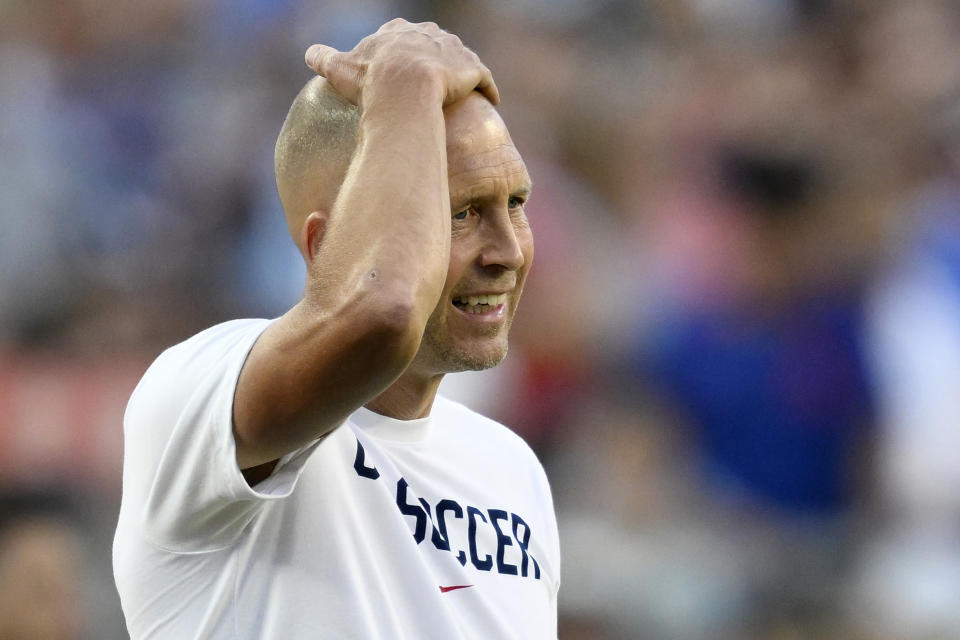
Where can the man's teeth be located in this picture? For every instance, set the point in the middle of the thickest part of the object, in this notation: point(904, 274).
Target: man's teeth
point(472, 302)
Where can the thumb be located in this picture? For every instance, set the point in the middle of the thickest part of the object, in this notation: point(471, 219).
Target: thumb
point(318, 57)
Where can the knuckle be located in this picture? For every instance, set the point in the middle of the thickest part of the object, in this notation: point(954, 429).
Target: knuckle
point(364, 45)
point(431, 66)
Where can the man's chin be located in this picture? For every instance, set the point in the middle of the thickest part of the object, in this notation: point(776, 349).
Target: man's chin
point(469, 361)
point(449, 359)
point(476, 364)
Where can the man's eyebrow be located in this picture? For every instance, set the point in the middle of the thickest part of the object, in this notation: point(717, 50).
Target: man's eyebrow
point(524, 191)
point(479, 196)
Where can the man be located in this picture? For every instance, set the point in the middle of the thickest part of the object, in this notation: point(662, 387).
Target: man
point(300, 478)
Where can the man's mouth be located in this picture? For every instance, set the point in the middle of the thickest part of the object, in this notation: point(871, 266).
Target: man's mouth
point(479, 304)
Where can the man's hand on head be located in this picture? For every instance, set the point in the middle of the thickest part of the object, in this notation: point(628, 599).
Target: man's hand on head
point(402, 56)
point(375, 224)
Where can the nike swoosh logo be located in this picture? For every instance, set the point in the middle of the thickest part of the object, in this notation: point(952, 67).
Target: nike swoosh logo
point(455, 587)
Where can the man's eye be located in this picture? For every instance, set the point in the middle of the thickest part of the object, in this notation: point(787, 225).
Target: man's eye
point(515, 202)
point(462, 215)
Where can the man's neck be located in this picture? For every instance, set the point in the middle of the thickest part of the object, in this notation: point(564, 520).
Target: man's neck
point(408, 398)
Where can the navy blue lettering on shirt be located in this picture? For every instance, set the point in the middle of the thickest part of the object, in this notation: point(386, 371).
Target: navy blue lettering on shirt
point(514, 530)
point(360, 464)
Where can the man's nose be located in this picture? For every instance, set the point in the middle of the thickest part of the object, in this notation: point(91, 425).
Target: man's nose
point(502, 246)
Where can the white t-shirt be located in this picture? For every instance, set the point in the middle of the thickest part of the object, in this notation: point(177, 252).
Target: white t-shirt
point(441, 527)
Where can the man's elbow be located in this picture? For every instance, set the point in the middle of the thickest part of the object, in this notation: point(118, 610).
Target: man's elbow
point(395, 323)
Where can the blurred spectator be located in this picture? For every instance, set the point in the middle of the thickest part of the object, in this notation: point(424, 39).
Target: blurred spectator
point(643, 552)
point(41, 569)
point(908, 580)
point(773, 375)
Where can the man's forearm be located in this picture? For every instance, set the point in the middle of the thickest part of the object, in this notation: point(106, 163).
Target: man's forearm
point(389, 229)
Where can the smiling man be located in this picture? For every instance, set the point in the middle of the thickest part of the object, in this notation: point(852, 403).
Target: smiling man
point(300, 477)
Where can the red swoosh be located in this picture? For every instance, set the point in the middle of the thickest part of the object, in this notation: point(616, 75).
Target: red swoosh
point(455, 587)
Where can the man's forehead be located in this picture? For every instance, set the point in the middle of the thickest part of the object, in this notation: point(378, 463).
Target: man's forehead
point(479, 149)
point(473, 124)
point(501, 162)
point(466, 112)
point(494, 157)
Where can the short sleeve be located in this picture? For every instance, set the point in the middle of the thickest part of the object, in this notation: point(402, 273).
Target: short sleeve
point(180, 470)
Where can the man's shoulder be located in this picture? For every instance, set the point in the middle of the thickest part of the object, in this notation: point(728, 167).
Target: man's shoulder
point(228, 332)
point(503, 462)
point(469, 424)
point(181, 366)
point(213, 341)
point(446, 409)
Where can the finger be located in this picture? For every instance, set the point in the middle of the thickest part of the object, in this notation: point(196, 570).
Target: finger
point(485, 84)
point(318, 58)
point(396, 23)
point(488, 87)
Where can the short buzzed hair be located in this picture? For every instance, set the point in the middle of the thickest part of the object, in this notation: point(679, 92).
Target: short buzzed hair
point(313, 150)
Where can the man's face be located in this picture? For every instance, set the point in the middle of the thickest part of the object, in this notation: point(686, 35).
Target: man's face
point(491, 245)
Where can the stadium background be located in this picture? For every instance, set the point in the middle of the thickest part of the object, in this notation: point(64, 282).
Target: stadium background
point(739, 350)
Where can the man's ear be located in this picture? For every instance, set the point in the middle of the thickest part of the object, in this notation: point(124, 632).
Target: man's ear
point(312, 232)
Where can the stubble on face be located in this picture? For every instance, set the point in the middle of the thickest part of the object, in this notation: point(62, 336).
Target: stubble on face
point(448, 356)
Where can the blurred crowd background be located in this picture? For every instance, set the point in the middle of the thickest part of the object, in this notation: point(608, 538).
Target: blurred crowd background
point(738, 353)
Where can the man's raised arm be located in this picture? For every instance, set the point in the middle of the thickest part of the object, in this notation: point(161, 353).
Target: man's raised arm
point(377, 258)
